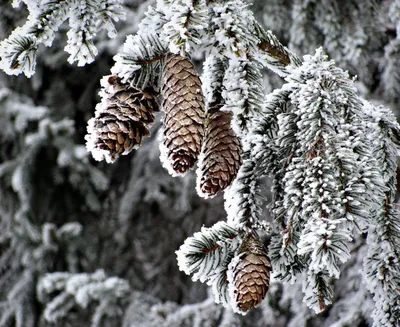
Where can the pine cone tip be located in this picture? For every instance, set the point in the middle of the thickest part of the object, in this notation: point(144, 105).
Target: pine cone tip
point(177, 164)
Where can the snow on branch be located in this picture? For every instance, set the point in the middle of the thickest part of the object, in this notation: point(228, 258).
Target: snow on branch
point(18, 53)
point(228, 26)
point(235, 33)
point(82, 290)
point(86, 18)
point(230, 33)
point(207, 254)
point(318, 148)
point(381, 266)
point(272, 54)
point(242, 200)
point(318, 291)
point(214, 68)
point(243, 93)
point(185, 24)
point(143, 53)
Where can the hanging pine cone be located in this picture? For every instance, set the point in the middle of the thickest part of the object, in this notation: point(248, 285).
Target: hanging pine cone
point(122, 121)
point(221, 159)
point(250, 273)
point(184, 115)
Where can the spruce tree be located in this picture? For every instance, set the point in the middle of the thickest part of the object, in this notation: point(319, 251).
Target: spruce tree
point(84, 242)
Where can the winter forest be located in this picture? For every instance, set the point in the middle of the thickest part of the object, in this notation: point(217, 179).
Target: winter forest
point(205, 163)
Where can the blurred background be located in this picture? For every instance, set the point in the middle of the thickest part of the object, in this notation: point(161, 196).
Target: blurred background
point(86, 243)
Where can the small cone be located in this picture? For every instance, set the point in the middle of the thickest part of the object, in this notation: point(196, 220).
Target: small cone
point(251, 274)
point(183, 105)
point(222, 154)
point(120, 127)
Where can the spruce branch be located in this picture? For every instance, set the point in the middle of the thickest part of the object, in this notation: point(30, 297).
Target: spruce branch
point(242, 199)
point(318, 291)
point(322, 196)
point(253, 42)
point(143, 54)
point(18, 54)
point(141, 59)
point(150, 61)
point(229, 30)
point(81, 290)
point(86, 18)
point(381, 269)
point(203, 254)
point(272, 53)
point(206, 256)
point(243, 93)
point(185, 25)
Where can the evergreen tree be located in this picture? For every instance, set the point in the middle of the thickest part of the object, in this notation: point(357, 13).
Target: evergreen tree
point(84, 242)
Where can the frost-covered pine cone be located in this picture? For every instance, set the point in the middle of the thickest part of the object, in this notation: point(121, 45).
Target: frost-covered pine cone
point(221, 158)
point(184, 115)
point(250, 274)
point(120, 127)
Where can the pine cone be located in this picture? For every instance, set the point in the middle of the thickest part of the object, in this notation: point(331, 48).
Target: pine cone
point(251, 274)
point(222, 154)
point(184, 115)
point(121, 126)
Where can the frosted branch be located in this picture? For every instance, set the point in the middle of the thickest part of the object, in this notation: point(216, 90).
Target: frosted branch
point(207, 255)
point(86, 18)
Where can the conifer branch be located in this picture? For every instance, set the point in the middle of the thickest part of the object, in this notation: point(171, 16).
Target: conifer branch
point(271, 45)
point(150, 61)
point(206, 256)
point(275, 52)
point(45, 18)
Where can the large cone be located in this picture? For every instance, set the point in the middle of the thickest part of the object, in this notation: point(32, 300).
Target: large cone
point(120, 127)
point(251, 274)
point(221, 158)
point(184, 115)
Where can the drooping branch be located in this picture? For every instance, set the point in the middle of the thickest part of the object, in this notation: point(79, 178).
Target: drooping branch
point(272, 53)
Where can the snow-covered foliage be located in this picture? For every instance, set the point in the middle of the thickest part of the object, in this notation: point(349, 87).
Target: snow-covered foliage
point(242, 92)
point(331, 183)
point(207, 255)
point(143, 51)
point(82, 290)
point(30, 245)
point(381, 265)
point(326, 141)
point(184, 24)
point(85, 18)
